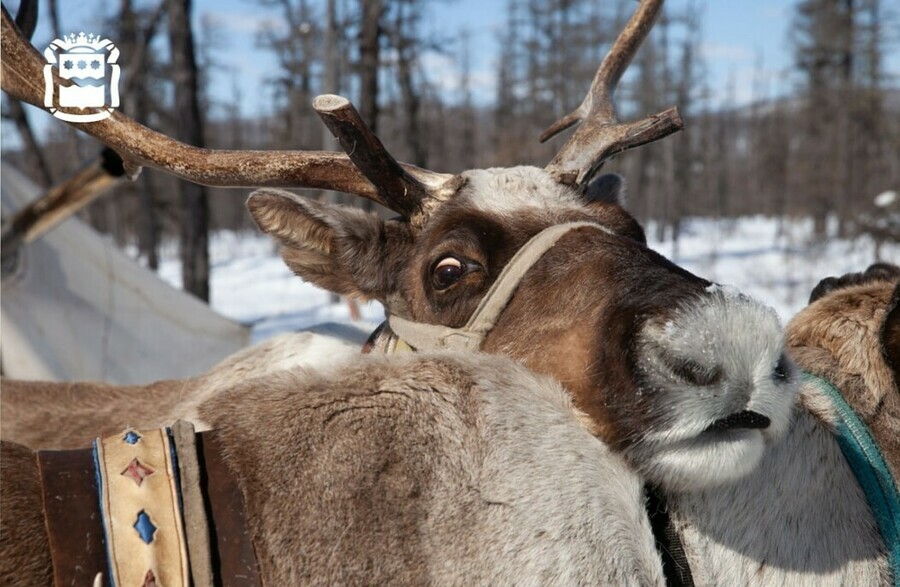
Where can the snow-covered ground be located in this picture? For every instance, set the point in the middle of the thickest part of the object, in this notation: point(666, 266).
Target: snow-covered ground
point(252, 285)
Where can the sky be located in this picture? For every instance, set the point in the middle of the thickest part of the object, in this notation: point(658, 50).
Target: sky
point(745, 44)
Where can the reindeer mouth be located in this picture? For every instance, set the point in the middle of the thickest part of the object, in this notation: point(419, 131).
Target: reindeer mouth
point(746, 419)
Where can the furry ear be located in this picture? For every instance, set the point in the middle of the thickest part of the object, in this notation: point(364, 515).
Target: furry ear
point(606, 195)
point(608, 188)
point(339, 248)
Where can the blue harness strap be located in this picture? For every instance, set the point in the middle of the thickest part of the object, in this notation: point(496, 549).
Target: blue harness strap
point(871, 470)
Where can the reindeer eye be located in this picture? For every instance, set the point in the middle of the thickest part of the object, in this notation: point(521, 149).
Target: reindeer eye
point(695, 374)
point(782, 370)
point(448, 271)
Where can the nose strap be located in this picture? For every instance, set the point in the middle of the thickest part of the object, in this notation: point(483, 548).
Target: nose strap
point(423, 336)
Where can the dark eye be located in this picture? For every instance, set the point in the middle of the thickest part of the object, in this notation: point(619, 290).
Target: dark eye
point(448, 271)
point(696, 374)
point(782, 369)
point(690, 372)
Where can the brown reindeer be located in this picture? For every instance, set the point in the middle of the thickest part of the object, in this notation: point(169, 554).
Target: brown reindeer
point(850, 335)
point(68, 415)
point(598, 310)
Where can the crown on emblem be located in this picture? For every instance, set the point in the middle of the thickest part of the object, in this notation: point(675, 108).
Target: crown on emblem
point(89, 40)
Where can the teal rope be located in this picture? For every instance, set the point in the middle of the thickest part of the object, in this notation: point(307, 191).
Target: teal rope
point(871, 470)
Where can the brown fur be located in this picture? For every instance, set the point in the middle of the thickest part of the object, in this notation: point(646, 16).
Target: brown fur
point(81, 411)
point(409, 470)
point(838, 338)
point(45, 415)
point(890, 335)
point(576, 314)
point(24, 549)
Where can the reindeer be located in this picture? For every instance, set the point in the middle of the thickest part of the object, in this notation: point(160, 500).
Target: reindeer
point(801, 517)
point(686, 380)
point(850, 335)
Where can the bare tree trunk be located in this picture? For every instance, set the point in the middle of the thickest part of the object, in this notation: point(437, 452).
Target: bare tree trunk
point(370, 32)
point(136, 105)
point(332, 86)
point(467, 143)
point(33, 150)
point(26, 20)
point(332, 75)
point(54, 18)
point(404, 43)
point(369, 57)
point(194, 202)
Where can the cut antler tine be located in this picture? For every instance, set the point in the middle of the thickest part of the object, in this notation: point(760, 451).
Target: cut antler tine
point(395, 188)
point(600, 135)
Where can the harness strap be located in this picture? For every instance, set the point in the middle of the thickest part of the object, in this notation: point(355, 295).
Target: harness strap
point(140, 509)
point(870, 469)
point(74, 529)
point(196, 524)
point(470, 337)
point(676, 569)
point(220, 552)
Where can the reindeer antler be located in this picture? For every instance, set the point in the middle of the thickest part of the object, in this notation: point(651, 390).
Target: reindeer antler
point(22, 78)
point(601, 135)
point(405, 192)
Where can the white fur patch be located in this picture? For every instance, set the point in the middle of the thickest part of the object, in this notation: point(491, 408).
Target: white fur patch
point(728, 333)
point(799, 518)
point(504, 190)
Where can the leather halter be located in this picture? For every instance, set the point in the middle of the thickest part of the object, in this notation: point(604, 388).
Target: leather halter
point(422, 336)
point(218, 544)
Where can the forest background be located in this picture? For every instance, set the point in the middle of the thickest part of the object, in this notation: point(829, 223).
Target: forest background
point(792, 109)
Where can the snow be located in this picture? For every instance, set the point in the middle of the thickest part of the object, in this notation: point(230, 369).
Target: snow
point(778, 269)
point(251, 284)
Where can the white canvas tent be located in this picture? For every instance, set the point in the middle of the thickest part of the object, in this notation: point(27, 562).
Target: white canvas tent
point(77, 308)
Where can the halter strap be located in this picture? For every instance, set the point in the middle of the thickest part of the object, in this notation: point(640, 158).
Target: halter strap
point(422, 336)
point(868, 464)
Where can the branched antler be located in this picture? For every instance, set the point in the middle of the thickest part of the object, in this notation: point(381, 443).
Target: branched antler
point(22, 78)
point(601, 135)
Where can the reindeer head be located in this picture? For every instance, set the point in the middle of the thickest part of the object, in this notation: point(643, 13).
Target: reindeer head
point(686, 380)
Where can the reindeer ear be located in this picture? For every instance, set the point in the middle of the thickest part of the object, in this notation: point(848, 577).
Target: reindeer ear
point(890, 334)
point(608, 188)
point(342, 249)
point(606, 195)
